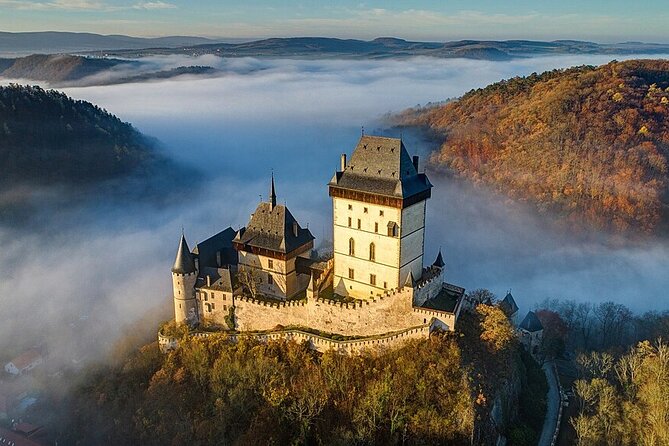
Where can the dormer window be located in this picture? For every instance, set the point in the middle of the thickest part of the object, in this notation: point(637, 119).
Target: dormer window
point(392, 229)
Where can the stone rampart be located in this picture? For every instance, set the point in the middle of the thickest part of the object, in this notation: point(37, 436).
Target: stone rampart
point(321, 343)
point(376, 316)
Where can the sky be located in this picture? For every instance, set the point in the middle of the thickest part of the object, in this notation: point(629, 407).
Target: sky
point(436, 20)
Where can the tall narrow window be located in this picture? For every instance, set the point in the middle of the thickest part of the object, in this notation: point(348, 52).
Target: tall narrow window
point(376, 227)
point(270, 263)
point(372, 252)
point(359, 224)
point(270, 279)
point(372, 279)
point(351, 247)
point(349, 222)
point(351, 274)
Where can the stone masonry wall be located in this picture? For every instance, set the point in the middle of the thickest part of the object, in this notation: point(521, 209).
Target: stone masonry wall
point(320, 343)
point(381, 315)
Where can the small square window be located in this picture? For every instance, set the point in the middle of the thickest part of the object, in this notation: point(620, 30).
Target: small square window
point(350, 207)
point(365, 210)
point(351, 274)
point(381, 213)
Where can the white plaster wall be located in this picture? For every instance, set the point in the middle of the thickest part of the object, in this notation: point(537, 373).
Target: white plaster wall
point(183, 287)
point(386, 263)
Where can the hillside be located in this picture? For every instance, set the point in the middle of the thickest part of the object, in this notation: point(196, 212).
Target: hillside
point(211, 391)
point(67, 70)
point(587, 144)
point(48, 138)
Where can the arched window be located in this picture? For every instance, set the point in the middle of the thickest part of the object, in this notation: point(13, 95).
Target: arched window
point(372, 252)
point(351, 247)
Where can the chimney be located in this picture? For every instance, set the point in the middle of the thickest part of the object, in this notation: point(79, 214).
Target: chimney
point(343, 162)
point(208, 280)
point(295, 228)
point(415, 162)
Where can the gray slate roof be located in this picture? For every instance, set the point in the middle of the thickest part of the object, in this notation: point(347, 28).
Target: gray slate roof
point(447, 298)
point(508, 304)
point(382, 166)
point(271, 227)
point(183, 264)
point(531, 323)
point(221, 242)
point(220, 279)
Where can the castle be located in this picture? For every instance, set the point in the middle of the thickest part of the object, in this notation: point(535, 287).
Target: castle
point(265, 279)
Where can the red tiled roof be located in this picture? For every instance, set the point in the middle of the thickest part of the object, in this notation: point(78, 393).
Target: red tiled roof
point(10, 438)
point(25, 359)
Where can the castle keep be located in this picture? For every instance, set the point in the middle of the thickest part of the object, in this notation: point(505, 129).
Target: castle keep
point(266, 279)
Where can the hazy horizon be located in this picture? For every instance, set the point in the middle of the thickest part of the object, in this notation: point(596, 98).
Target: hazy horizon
point(598, 20)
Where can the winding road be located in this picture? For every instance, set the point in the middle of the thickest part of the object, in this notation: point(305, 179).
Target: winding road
point(552, 405)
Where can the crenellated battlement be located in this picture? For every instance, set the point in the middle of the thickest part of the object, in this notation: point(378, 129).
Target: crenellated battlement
point(319, 342)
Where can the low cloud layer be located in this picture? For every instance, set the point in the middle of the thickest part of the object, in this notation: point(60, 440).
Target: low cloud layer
point(110, 263)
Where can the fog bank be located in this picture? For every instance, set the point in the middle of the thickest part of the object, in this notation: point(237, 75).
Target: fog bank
point(110, 263)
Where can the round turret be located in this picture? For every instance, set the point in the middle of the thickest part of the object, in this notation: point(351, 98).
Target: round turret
point(184, 275)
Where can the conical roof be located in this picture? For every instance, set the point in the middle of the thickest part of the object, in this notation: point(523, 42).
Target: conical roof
point(183, 264)
point(439, 262)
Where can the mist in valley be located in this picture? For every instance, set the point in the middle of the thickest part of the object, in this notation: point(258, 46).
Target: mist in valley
point(89, 272)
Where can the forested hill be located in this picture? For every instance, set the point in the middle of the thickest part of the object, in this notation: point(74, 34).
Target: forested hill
point(48, 138)
point(588, 144)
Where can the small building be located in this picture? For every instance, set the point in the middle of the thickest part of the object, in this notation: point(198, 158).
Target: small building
point(24, 363)
point(20, 437)
point(531, 332)
point(508, 305)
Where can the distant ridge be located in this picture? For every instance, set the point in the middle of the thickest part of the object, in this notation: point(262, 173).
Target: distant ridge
point(49, 42)
point(386, 47)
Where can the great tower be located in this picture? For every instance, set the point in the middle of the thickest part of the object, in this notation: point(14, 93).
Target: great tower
point(379, 202)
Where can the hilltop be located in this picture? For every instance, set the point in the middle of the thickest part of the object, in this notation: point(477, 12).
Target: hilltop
point(49, 138)
point(588, 144)
point(68, 70)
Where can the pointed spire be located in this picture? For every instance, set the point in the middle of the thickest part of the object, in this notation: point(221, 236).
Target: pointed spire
point(410, 282)
point(439, 262)
point(183, 264)
point(272, 194)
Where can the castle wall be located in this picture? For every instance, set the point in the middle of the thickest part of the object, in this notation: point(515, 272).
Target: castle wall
point(428, 288)
point(369, 317)
point(320, 343)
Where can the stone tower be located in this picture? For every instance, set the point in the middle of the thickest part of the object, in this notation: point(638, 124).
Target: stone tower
point(379, 201)
point(184, 276)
